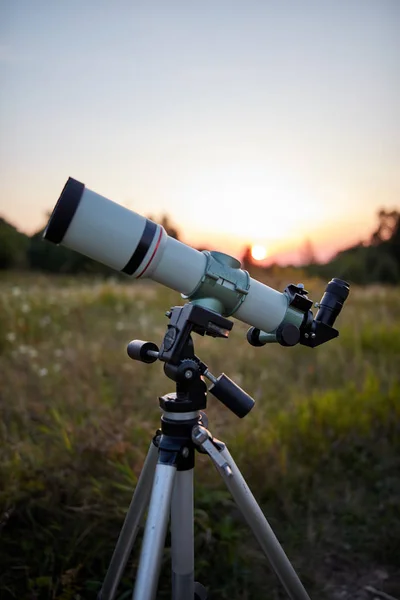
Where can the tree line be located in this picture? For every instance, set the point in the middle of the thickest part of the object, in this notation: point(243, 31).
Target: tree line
point(376, 260)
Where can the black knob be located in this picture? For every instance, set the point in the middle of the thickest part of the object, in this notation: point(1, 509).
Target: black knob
point(138, 350)
point(253, 337)
point(230, 394)
point(187, 370)
point(288, 334)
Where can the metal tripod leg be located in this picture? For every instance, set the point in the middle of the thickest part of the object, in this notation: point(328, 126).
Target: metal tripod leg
point(255, 519)
point(130, 527)
point(182, 537)
point(155, 531)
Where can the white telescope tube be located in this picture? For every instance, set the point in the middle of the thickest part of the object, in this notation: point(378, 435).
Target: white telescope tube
point(263, 307)
point(120, 238)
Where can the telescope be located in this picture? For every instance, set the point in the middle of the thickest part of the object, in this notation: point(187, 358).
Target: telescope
point(216, 287)
point(126, 241)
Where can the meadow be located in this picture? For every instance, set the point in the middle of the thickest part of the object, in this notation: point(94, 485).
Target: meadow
point(320, 450)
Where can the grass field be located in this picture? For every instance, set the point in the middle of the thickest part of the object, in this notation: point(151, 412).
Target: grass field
point(320, 450)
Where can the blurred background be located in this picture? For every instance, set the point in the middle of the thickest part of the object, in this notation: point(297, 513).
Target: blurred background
point(266, 130)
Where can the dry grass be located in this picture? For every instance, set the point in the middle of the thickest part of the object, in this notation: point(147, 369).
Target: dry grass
point(320, 449)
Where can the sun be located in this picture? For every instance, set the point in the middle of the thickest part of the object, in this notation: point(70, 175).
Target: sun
point(258, 252)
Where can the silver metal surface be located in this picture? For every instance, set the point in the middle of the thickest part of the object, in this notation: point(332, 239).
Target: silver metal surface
point(202, 437)
point(210, 376)
point(130, 527)
point(154, 534)
point(187, 416)
point(182, 536)
point(200, 591)
point(261, 529)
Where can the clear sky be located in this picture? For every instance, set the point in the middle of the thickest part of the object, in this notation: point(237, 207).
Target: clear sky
point(252, 121)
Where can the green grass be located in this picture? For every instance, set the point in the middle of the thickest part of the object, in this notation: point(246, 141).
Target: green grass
point(320, 450)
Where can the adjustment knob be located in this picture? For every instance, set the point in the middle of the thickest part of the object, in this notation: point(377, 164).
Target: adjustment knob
point(288, 334)
point(230, 394)
point(187, 370)
point(146, 352)
point(253, 337)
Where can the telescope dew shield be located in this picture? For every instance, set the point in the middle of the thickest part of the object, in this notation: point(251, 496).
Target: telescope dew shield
point(121, 239)
point(124, 240)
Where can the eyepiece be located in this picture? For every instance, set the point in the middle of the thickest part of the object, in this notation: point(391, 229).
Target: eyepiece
point(332, 301)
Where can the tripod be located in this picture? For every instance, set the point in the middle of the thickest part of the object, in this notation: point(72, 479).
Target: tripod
point(167, 474)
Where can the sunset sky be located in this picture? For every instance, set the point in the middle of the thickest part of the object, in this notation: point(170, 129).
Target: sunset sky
point(262, 122)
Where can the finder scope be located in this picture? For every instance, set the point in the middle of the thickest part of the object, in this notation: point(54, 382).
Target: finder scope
point(126, 241)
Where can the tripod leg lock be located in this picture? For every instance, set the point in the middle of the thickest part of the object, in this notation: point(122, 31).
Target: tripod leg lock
point(203, 438)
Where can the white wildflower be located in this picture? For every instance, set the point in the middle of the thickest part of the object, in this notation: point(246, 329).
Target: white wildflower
point(16, 291)
point(25, 308)
point(42, 372)
point(11, 337)
point(119, 326)
point(143, 321)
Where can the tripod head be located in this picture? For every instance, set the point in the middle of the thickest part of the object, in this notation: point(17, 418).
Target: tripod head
point(185, 368)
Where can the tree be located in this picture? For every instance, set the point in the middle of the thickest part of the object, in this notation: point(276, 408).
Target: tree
point(388, 227)
point(375, 261)
point(307, 253)
point(13, 245)
point(247, 259)
point(386, 237)
point(169, 227)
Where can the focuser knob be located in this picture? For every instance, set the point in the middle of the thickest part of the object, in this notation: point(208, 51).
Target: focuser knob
point(253, 337)
point(288, 334)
